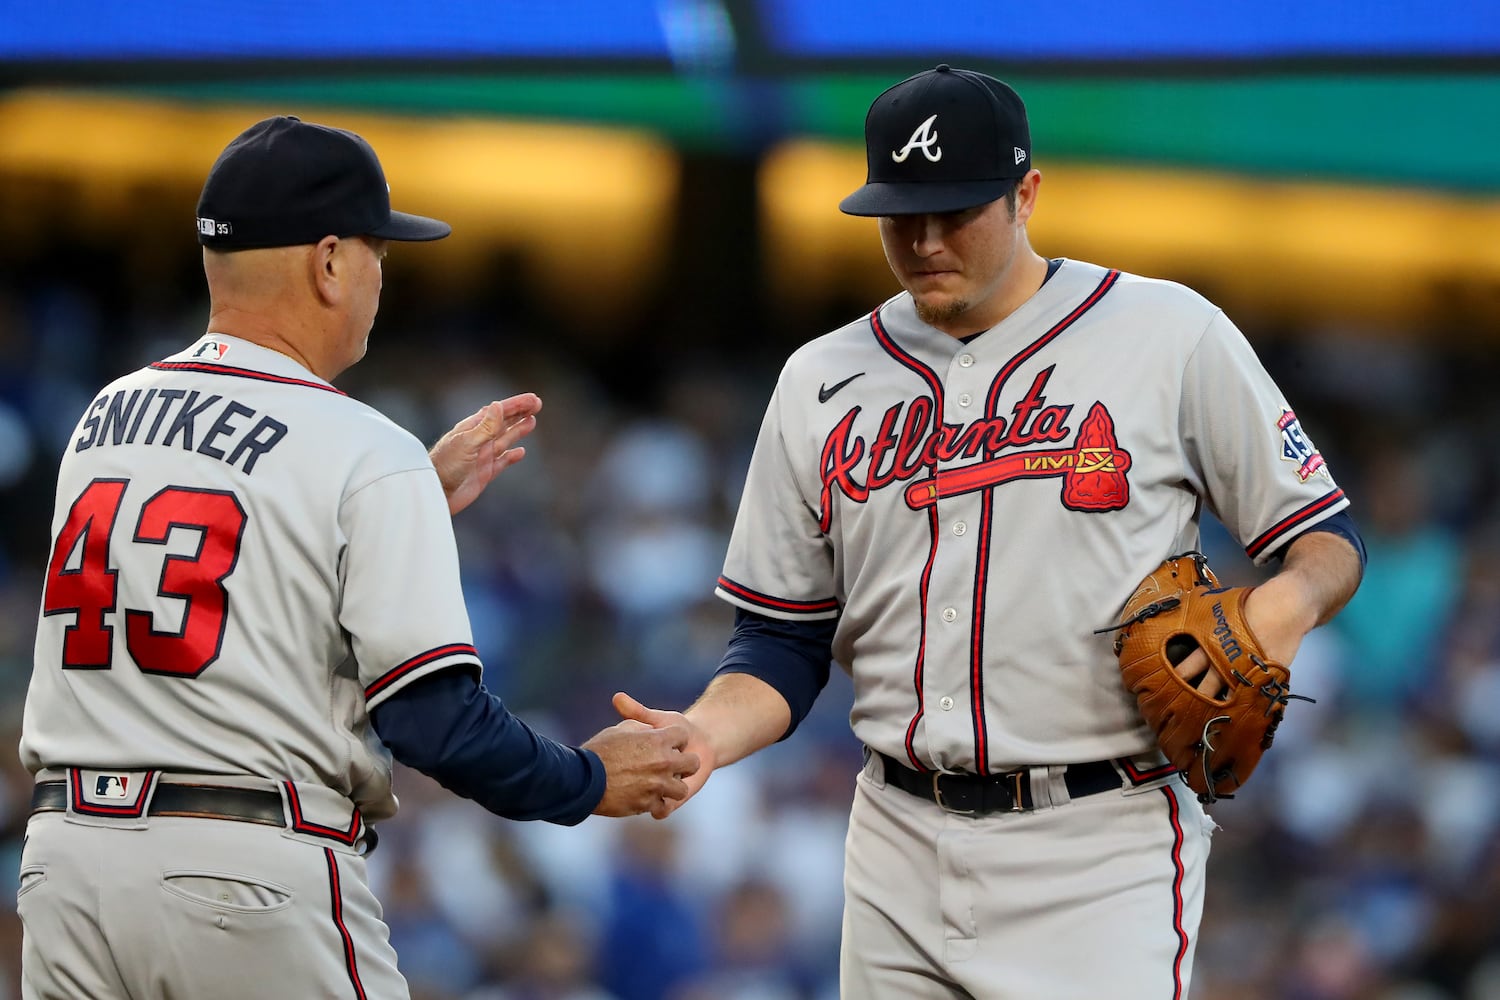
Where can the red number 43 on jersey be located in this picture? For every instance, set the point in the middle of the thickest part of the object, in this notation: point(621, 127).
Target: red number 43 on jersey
point(80, 580)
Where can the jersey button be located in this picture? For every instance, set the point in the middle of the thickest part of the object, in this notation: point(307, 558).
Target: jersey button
point(947, 704)
point(960, 528)
point(964, 399)
point(966, 361)
point(949, 614)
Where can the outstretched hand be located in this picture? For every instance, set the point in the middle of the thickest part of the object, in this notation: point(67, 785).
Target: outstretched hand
point(481, 446)
point(697, 743)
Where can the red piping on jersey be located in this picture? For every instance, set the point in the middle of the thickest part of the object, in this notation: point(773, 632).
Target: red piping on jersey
point(976, 633)
point(420, 660)
point(930, 377)
point(301, 825)
point(911, 729)
point(1098, 293)
point(207, 369)
point(335, 891)
point(1177, 877)
point(1139, 777)
point(986, 519)
point(744, 593)
point(136, 808)
point(1289, 522)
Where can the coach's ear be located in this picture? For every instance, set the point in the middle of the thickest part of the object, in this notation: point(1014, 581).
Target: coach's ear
point(326, 265)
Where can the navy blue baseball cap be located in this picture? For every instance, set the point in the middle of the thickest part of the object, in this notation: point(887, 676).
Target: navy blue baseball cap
point(285, 182)
point(942, 141)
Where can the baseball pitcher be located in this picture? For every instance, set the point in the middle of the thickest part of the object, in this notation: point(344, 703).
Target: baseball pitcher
point(953, 498)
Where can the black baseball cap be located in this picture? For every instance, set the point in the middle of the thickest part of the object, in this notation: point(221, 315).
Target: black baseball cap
point(942, 141)
point(285, 182)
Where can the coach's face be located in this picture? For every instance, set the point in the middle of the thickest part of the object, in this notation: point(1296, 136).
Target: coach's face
point(959, 266)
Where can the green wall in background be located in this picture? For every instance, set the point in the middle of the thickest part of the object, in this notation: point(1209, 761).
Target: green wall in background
point(1428, 129)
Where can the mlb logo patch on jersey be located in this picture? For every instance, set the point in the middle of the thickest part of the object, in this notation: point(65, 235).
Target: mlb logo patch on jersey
point(115, 794)
point(211, 350)
point(1297, 449)
point(112, 786)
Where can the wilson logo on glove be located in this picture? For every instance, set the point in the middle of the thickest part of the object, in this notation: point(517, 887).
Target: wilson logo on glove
point(1214, 741)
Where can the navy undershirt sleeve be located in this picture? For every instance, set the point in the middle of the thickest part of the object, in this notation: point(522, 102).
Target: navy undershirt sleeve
point(1340, 524)
point(452, 729)
point(792, 657)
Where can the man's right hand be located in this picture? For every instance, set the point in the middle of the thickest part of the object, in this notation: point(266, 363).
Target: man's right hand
point(698, 745)
point(645, 768)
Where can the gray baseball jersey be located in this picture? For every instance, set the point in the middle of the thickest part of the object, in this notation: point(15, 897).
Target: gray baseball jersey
point(244, 562)
point(973, 511)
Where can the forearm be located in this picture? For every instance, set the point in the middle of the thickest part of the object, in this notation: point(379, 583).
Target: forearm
point(1320, 573)
point(740, 714)
point(452, 729)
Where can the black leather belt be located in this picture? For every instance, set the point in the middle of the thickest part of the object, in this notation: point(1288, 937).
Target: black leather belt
point(979, 794)
point(247, 805)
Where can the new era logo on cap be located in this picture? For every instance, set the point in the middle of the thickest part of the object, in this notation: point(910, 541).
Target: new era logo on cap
point(981, 149)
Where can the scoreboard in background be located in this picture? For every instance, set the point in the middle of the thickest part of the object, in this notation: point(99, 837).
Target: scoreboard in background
point(1156, 30)
point(1383, 91)
point(755, 35)
point(69, 30)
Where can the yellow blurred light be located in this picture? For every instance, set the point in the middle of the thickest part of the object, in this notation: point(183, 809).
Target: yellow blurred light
point(587, 205)
point(591, 211)
point(1382, 257)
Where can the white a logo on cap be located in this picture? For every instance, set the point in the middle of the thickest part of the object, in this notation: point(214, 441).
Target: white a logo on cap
point(1020, 153)
point(925, 139)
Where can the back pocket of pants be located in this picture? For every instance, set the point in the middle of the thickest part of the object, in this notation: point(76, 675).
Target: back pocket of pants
point(226, 890)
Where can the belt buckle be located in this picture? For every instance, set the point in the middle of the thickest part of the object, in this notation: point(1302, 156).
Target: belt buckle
point(1015, 790)
point(937, 796)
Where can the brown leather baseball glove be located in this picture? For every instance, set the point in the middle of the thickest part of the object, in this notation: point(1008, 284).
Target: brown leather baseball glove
point(1214, 741)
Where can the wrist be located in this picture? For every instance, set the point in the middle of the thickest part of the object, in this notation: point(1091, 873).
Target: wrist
point(708, 738)
point(1290, 602)
point(1280, 615)
point(727, 736)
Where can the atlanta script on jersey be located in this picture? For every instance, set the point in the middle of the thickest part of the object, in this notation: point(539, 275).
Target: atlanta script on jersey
point(954, 504)
point(232, 541)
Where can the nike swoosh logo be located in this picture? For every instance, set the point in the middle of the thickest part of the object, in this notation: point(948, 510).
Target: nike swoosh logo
point(825, 393)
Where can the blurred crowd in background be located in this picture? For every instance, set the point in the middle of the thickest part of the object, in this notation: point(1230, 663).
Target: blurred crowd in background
point(1362, 863)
